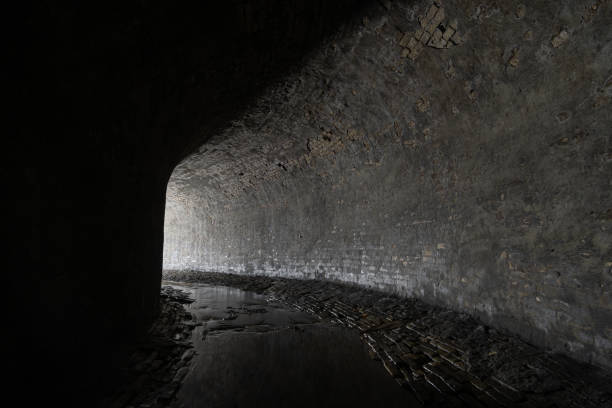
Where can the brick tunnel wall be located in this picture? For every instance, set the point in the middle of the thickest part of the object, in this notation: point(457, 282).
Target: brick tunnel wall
point(457, 152)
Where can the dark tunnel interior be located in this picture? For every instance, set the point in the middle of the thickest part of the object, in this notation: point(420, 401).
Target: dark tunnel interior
point(409, 196)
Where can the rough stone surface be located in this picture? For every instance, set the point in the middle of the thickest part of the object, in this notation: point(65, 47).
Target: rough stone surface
point(474, 174)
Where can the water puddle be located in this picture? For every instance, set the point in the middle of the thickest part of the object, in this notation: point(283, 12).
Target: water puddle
point(252, 352)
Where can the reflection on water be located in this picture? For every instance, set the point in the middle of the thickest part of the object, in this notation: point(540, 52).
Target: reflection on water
point(251, 353)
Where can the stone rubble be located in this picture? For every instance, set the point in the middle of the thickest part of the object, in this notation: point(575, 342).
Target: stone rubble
point(443, 357)
point(433, 32)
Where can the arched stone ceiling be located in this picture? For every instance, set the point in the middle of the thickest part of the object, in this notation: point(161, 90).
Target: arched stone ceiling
point(457, 151)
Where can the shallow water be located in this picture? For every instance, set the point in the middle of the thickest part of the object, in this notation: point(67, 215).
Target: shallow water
point(251, 352)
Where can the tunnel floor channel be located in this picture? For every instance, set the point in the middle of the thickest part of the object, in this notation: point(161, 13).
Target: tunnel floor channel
point(252, 351)
point(226, 340)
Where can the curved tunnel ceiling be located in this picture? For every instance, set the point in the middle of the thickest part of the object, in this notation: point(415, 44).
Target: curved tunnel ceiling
point(455, 151)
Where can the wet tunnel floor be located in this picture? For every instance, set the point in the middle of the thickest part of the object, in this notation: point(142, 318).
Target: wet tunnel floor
point(227, 340)
point(437, 356)
point(250, 352)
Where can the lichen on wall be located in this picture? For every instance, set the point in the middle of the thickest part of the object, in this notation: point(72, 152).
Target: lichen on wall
point(471, 168)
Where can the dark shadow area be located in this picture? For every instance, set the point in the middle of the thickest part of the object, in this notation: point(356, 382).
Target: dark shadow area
point(109, 99)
